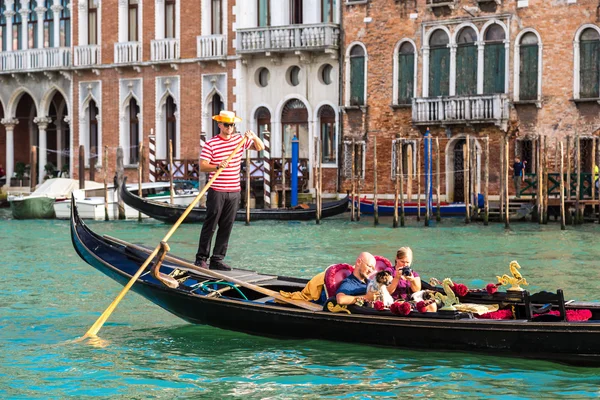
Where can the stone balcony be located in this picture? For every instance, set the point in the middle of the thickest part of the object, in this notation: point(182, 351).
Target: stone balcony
point(128, 52)
point(323, 37)
point(86, 55)
point(475, 109)
point(164, 49)
point(211, 47)
point(35, 59)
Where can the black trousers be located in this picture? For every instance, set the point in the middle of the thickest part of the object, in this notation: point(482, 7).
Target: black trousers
point(221, 208)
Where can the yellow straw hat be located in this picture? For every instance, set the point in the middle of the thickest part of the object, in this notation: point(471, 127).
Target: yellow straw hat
point(227, 117)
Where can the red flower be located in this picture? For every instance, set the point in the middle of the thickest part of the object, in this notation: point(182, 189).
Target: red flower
point(460, 290)
point(421, 307)
point(491, 288)
point(378, 305)
point(400, 308)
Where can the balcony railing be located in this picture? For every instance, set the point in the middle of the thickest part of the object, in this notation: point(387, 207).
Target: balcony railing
point(164, 49)
point(460, 109)
point(128, 52)
point(288, 38)
point(35, 59)
point(86, 55)
point(212, 46)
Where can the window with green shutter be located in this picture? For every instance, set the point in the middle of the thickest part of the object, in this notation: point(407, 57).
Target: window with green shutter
point(439, 64)
point(528, 67)
point(588, 64)
point(466, 62)
point(406, 73)
point(357, 76)
point(494, 60)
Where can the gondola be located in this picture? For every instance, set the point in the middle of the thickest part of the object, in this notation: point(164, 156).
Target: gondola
point(386, 207)
point(199, 298)
point(171, 212)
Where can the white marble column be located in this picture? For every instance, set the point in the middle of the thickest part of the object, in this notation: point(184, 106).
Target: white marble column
point(123, 21)
point(42, 123)
point(40, 26)
point(9, 124)
point(452, 89)
point(56, 9)
point(24, 23)
point(506, 65)
point(480, 61)
point(82, 34)
point(425, 71)
point(9, 14)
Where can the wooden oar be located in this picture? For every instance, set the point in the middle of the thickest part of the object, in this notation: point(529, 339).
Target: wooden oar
point(93, 331)
point(307, 305)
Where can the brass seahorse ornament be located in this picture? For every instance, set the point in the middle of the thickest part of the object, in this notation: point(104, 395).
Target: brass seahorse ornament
point(450, 299)
point(515, 280)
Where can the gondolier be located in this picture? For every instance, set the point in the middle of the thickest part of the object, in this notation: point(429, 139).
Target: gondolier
point(223, 198)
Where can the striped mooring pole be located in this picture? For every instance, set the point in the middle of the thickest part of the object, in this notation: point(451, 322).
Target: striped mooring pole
point(267, 168)
point(152, 156)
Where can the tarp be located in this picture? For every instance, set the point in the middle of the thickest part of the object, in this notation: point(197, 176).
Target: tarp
point(61, 187)
point(36, 208)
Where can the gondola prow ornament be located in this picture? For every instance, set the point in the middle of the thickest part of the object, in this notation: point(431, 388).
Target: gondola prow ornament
point(515, 280)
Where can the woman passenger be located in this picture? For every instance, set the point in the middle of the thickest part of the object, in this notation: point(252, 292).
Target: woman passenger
point(406, 281)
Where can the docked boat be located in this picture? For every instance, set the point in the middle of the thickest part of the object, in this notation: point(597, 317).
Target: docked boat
point(90, 202)
point(243, 300)
point(40, 203)
point(386, 207)
point(171, 212)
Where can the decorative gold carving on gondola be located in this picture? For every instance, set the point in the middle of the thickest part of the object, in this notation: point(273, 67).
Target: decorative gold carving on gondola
point(515, 280)
point(450, 299)
point(336, 308)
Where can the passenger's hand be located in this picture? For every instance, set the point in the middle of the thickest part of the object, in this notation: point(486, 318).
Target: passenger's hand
point(371, 296)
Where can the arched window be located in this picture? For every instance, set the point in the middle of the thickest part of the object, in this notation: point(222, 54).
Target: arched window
point(3, 25)
point(217, 106)
point(264, 13)
point(328, 137)
point(263, 123)
point(65, 24)
point(132, 22)
point(294, 121)
point(48, 24)
point(93, 130)
point(439, 64)
point(357, 76)
point(171, 125)
point(169, 19)
point(466, 62)
point(134, 131)
point(406, 73)
point(216, 17)
point(16, 27)
point(32, 25)
point(589, 46)
point(528, 67)
point(92, 21)
point(494, 60)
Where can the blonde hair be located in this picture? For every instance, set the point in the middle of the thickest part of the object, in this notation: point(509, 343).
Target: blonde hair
point(405, 252)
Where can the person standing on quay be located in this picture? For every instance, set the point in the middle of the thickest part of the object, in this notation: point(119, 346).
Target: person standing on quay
point(223, 197)
point(519, 174)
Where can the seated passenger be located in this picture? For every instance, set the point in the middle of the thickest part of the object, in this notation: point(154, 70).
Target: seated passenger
point(353, 289)
point(406, 281)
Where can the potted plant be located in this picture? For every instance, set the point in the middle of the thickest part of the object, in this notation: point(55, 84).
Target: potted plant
point(49, 170)
point(21, 170)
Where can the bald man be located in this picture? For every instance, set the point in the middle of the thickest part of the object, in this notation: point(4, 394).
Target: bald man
point(353, 289)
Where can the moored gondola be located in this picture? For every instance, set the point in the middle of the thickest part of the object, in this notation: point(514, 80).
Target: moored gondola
point(171, 212)
point(203, 299)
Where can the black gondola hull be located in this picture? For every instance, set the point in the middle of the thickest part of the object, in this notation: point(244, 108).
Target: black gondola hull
point(573, 343)
point(171, 212)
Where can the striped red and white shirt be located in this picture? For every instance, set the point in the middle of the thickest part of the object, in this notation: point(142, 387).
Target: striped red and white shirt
point(215, 151)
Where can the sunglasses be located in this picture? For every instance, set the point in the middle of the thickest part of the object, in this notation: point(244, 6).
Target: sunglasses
point(226, 125)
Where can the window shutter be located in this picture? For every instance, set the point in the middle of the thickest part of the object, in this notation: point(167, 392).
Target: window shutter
point(406, 73)
point(588, 73)
point(494, 68)
point(528, 72)
point(357, 81)
point(466, 70)
point(439, 72)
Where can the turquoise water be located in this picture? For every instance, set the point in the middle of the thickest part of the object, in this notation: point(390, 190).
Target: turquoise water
point(48, 297)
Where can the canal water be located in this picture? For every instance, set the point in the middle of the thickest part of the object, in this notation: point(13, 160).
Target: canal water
point(48, 296)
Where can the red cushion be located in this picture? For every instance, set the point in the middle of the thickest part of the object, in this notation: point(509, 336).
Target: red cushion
point(334, 275)
point(383, 264)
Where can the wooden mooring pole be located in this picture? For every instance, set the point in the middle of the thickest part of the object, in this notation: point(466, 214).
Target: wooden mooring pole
point(401, 165)
point(320, 179)
point(539, 175)
point(105, 168)
point(359, 172)
point(545, 169)
point(466, 185)
point(501, 181)
point(562, 189)
point(140, 175)
point(120, 173)
point(398, 146)
point(506, 178)
point(93, 161)
point(578, 214)
point(33, 169)
point(171, 189)
point(353, 182)
point(81, 167)
point(247, 187)
point(486, 204)
point(568, 167)
point(438, 214)
point(419, 180)
point(375, 206)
